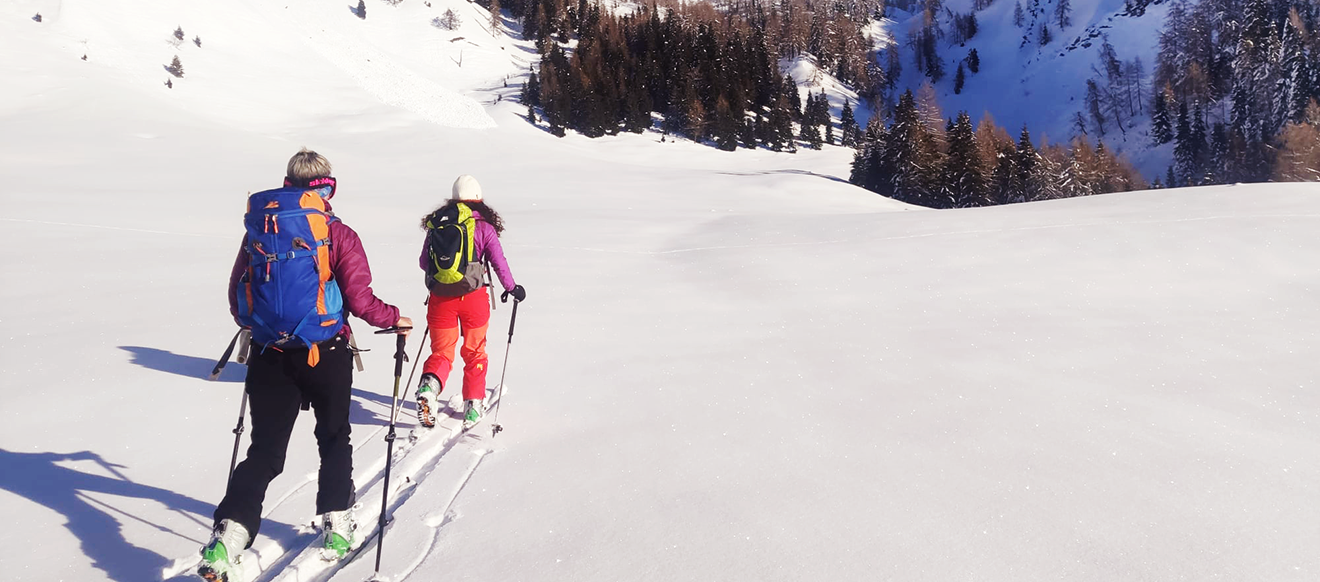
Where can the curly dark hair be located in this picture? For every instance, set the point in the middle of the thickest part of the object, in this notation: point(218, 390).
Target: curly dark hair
point(487, 213)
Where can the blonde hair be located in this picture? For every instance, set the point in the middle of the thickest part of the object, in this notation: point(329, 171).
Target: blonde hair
point(307, 165)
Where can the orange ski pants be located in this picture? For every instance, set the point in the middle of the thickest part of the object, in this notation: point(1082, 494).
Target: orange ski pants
point(449, 318)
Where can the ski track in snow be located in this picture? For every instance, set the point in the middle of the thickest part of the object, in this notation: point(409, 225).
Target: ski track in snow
point(276, 563)
point(438, 519)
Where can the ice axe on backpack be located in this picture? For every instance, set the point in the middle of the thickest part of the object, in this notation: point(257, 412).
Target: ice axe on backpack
point(490, 283)
point(243, 335)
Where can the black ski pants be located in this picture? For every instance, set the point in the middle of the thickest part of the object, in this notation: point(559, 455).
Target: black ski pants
point(277, 384)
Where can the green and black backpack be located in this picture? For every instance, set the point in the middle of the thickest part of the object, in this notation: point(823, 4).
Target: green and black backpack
point(453, 269)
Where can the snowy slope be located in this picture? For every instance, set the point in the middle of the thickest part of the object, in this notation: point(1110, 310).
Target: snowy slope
point(730, 366)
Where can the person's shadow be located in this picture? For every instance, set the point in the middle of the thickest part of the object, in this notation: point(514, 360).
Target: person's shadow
point(190, 366)
point(361, 415)
point(38, 477)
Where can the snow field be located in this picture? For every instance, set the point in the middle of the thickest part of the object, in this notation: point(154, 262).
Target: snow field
point(729, 364)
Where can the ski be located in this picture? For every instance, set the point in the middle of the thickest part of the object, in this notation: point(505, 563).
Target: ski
point(456, 413)
point(301, 559)
point(310, 565)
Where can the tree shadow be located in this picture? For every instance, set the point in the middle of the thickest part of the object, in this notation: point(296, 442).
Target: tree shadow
point(190, 366)
point(39, 478)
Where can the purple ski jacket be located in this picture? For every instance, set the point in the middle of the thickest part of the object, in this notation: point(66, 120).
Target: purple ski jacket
point(348, 263)
point(488, 250)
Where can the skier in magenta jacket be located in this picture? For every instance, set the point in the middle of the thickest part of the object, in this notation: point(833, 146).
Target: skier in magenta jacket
point(467, 315)
point(280, 378)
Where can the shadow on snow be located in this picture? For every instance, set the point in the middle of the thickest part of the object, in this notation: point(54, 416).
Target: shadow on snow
point(190, 366)
point(96, 522)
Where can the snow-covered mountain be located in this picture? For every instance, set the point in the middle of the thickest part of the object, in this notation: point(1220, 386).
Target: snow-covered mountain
point(730, 366)
point(1021, 82)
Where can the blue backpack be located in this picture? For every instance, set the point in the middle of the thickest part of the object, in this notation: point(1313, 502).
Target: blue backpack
point(287, 293)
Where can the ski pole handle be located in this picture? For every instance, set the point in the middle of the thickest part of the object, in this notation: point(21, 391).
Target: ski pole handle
point(400, 356)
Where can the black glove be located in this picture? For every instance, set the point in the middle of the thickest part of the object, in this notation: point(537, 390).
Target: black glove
point(517, 292)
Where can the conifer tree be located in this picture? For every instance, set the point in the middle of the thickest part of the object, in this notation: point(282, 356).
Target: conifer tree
point(1079, 124)
point(1161, 125)
point(1199, 146)
point(1018, 17)
point(915, 170)
point(1045, 36)
point(176, 67)
point(762, 129)
point(958, 79)
point(963, 173)
point(1254, 75)
point(973, 61)
point(781, 126)
point(496, 24)
point(362, 9)
point(848, 126)
point(1093, 105)
point(810, 135)
point(1219, 153)
point(725, 131)
point(531, 94)
point(869, 170)
point(1184, 151)
point(1025, 167)
point(1004, 187)
point(1063, 14)
point(794, 97)
point(1295, 79)
point(747, 132)
point(931, 55)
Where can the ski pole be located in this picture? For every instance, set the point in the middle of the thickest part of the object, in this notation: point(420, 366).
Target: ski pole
point(224, 358)
point(238, 435)
point(495, 427)
point(417, 359)
point(400, 356)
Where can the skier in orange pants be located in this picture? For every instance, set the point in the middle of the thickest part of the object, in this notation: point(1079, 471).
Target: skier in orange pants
point(462, 309)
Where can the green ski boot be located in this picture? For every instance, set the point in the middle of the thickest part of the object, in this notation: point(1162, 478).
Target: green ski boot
point(220, 556)
point(338, 528)
point(473, 410)
point(428, 399)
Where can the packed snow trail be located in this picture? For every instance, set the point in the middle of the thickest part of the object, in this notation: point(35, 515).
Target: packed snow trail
point(299, 560)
